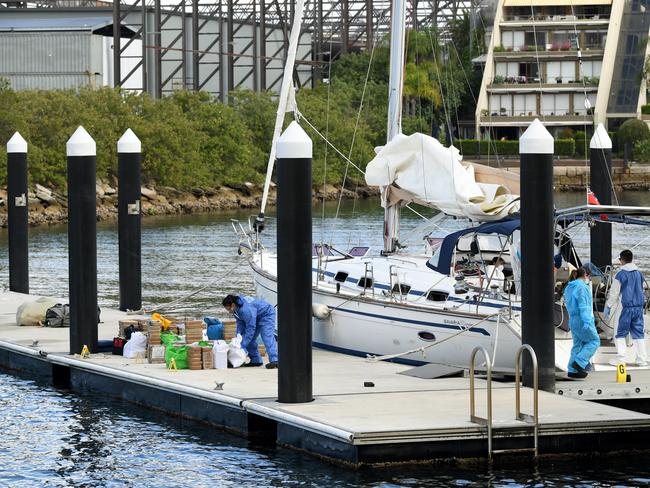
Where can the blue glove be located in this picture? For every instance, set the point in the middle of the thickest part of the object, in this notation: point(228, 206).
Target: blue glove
point(606, 313)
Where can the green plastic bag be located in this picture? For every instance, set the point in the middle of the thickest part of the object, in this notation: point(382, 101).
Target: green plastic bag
point(205, 343)
point(168, 339)
point(179, 353)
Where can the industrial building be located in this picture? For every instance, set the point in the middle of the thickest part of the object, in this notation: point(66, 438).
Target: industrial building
point(209, 45)
point(571, 63)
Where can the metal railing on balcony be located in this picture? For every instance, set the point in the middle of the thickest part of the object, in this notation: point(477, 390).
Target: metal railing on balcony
point(505, 112)
point(554, 18)
point(558, 80)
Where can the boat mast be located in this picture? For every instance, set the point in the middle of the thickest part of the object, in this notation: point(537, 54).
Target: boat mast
point(286, 102)
point(396, 82)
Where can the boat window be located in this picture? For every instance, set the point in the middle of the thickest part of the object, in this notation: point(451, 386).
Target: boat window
point(365, 282)
point(359, 251)
point(401, 288)
point(437, 296)
point(341, 276)
point(427, 336)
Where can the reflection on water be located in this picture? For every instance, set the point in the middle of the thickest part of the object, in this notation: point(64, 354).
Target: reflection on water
point(52, 438)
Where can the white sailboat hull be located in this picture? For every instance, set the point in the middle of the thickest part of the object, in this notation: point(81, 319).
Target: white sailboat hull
point(364, 326)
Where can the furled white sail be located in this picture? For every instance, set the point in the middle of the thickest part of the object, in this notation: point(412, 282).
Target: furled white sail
point(417, 168)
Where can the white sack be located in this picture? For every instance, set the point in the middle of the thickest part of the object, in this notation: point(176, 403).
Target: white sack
point(136, 347)
point(33, 313)
point(236, 355)
point(220, 354)
point(417, 168)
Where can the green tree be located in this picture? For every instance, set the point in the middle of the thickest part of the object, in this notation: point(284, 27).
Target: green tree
point(633, 131)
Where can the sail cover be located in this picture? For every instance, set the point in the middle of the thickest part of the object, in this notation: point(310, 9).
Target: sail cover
point(417, 168)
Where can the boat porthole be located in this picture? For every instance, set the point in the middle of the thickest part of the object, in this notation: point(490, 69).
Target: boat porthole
point(427, 336)
point(638, 390)
point(599, 391)
point(579, 392)
point(560, 392)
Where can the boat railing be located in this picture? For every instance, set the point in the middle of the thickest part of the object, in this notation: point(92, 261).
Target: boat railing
point(368, 275)
point(487, 421)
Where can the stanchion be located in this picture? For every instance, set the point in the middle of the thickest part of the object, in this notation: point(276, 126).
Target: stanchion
point(18, 214)
point(294, 153)
point(82, 241)
point(128, 211)
point(600, 157)
point(536, 148)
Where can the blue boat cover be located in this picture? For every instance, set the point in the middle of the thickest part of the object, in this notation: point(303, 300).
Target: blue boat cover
point(503, 227)
point(506, 227)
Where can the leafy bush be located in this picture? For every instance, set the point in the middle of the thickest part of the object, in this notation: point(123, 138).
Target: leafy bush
point(565, 147)
point(642, 151)
point(632, 131)
point(645, 109)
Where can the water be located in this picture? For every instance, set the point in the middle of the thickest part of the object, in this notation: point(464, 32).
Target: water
point(54, 438)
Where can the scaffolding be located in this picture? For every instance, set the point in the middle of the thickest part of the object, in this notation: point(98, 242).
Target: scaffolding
point(220, 45)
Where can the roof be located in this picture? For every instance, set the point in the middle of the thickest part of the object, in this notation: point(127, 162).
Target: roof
point(94, 23)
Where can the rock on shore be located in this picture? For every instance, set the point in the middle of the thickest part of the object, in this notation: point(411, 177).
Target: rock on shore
point(48, 206)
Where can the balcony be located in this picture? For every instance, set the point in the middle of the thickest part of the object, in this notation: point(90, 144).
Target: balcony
point(508, 84)
point(507, 118)
point(554, 21)
point(529, 53)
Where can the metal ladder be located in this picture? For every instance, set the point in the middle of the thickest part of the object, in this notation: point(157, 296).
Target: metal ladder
point(530, 420)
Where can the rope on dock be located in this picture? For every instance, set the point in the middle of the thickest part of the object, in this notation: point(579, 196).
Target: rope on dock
point(422, 349)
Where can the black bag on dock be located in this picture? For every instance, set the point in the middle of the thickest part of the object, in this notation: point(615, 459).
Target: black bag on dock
point(58, 316)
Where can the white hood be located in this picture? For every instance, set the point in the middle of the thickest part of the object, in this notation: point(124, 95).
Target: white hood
point(417, 168)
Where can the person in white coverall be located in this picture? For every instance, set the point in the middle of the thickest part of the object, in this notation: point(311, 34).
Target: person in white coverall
point(625, 305)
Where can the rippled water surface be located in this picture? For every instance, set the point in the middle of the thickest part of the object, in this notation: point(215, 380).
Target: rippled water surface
point(53, 438)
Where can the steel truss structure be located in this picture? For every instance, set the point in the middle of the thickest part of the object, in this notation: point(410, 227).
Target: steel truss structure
point(220, 45)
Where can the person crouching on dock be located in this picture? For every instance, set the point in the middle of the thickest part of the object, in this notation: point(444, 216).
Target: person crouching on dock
point(254, 317)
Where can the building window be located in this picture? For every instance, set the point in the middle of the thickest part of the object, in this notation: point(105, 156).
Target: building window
point(501, 105)
point(513, 40)
point(560, 71)
point(579, 103)
point(592, 69)
point(525, 104)
point(555, 104)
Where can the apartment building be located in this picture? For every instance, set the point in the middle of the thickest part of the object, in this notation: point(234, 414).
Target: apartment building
point(568, 62)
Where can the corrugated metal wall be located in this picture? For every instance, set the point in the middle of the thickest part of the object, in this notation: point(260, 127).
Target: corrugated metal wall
point(50, 60)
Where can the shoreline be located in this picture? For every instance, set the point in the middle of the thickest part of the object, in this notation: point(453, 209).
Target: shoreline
point(49, 207)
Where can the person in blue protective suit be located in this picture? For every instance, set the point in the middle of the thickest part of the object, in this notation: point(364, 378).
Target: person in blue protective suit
point(255, 318)
point(579, 304)
point(625, 308)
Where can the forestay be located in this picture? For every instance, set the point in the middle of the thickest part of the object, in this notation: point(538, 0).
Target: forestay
point(417, 168)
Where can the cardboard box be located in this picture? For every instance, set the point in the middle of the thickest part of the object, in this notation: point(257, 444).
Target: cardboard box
point(156, 354)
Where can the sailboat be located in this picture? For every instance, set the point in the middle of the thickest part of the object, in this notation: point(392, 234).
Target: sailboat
point(436, 306)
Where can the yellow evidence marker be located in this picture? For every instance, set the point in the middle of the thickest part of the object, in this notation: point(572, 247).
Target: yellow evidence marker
point(621, 376)
point(172, 365)
point(85, 352)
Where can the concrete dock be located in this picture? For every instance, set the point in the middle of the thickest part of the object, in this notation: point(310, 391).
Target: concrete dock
point(399, 419)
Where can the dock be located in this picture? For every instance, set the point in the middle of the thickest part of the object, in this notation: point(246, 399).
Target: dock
point(400, 418)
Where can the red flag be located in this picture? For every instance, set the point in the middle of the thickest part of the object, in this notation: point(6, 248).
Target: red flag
point(592, 200)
